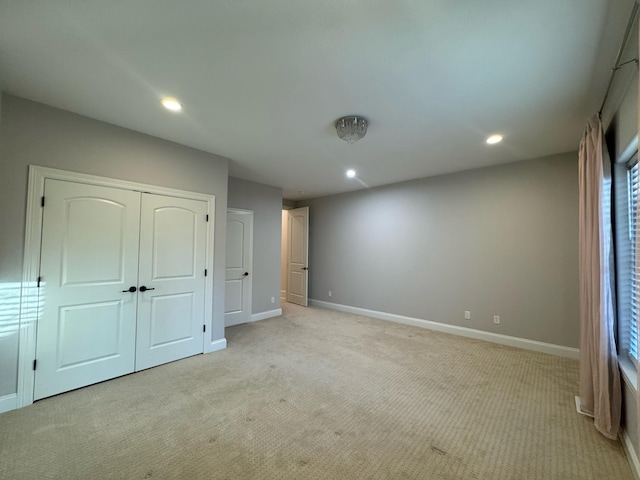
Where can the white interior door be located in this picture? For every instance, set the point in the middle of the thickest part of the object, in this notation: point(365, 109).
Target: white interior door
point(173, 234)
point(297, 258)
point(89, 259)
point(238, 283)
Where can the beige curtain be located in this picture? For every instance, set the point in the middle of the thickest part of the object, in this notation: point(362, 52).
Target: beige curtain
point(599, 375)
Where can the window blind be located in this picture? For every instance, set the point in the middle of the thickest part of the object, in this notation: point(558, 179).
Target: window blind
point(632, 328)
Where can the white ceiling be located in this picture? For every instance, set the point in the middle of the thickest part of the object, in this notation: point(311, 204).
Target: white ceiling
point(263, 82)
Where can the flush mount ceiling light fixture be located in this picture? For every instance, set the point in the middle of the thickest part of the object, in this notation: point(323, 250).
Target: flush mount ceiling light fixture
point(172, 104)
point(351, 128)
point(493, 139)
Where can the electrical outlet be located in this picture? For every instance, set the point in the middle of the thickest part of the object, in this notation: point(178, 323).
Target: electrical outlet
point(273, 299)
point(496, 319)
point(330, 293)
point(467, 315)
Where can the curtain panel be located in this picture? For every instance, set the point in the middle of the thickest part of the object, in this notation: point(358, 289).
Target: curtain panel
point(600, 390)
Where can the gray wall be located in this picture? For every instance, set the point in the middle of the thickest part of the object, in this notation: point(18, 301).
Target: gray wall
point(33, 133)
point(9, 305)
point(495, 241)
point(620, 113)
point(266, 203)
point(630, 414)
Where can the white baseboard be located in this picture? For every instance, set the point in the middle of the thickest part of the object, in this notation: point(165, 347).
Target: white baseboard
point(8, 402)
point(264, 315)
point(217, 345)
point(632, 457)
point(543, 347)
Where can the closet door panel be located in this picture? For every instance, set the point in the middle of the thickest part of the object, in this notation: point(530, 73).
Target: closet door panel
point(89, 260)
point(173, 234)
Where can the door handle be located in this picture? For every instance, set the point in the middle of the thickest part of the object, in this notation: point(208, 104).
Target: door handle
point(245, 274)
point(305, 268)
point(130, 289)
point(144, 289)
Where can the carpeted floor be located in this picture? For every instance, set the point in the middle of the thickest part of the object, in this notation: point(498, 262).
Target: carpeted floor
point(318, 394)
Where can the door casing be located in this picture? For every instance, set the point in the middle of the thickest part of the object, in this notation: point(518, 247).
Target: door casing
point(31, 263)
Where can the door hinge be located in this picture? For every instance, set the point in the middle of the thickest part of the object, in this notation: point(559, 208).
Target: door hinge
point(35, 362)
point(207, 217)
point(39, 280)
point(205, 272)
point(42, 202)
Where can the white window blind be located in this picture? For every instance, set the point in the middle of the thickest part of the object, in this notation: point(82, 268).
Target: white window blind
point(632, 328)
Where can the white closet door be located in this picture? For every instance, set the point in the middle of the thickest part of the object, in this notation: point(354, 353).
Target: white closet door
point(239, 258)
point(297, 257)
point(87, 327)
point(171, 280)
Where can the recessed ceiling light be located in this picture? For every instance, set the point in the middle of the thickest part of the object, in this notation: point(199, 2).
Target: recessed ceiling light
point(172, 104)
point(351, 173)
point(493, 139)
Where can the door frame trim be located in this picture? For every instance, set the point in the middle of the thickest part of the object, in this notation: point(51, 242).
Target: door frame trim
point(29, 294)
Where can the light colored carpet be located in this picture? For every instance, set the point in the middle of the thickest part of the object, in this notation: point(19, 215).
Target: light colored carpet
point(317, 394)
